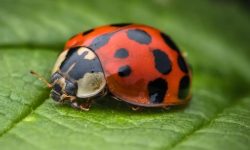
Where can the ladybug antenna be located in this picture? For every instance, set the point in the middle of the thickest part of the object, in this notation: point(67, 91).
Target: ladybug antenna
point(41, 78)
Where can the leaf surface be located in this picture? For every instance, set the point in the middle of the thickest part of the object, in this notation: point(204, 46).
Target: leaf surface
point(215, 35)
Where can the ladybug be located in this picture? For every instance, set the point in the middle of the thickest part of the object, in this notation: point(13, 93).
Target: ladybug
point(134, 63)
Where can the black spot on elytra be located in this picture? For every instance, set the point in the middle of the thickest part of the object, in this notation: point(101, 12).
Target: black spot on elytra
point(81, 66)
point(169, 42)
point(157, 90)
point(124, 71)
point(182, 64)
point(121, 53)
point(87, 32)
point(139, 36)
point(100, 41)
point(184, 87)
point(120, 24)
point(162, 62)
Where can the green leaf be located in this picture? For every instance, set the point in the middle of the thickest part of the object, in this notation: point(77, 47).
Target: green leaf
point(215, 35)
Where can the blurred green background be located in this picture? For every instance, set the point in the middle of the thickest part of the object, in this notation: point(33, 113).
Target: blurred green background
point(214, 33)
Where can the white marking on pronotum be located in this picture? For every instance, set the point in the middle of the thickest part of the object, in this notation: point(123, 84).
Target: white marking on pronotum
point(59, 61)
point(81, 50)
point(90, 55)
point(70, 68)
point(91, 84)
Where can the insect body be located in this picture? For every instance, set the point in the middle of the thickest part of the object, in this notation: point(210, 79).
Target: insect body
point(134, 63)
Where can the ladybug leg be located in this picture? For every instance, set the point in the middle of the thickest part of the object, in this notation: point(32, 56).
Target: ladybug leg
point(104, 92)
point(74, 105)
point(116, 98)
point(82, 106)
point(86, 106)
point(166, 107)
point(70, 98)
point(136, 108)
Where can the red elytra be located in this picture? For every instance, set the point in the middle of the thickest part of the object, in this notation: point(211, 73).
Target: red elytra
point(142, 65)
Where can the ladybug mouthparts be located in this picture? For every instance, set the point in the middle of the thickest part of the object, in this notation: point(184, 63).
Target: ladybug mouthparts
point(62, 88)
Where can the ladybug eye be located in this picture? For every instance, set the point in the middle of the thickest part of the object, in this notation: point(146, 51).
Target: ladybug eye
point(70, 88)
point(55, 76)
point(58, 88)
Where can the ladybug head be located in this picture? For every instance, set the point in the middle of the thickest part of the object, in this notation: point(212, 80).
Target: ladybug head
point(62, 88)
point(78, 74)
